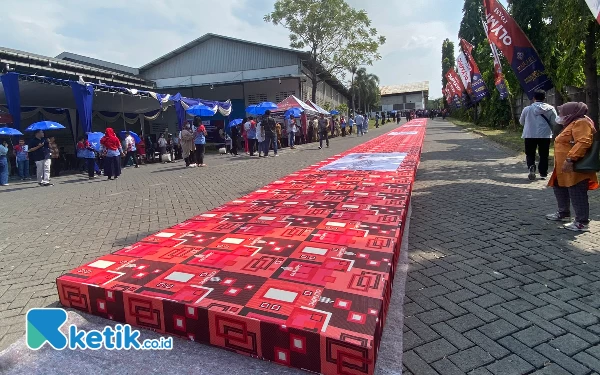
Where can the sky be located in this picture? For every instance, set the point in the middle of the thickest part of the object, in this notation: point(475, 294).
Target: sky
point(135, 32)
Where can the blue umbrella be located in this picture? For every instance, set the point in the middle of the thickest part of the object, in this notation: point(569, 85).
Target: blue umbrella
point(136, 137)
point(335, 112)
point(253, 110)
point(235, 122)
point(94, 139)
point(293, 112)
point(201, 110)
point(44, 125)
point(9, 131)
point(264, 106)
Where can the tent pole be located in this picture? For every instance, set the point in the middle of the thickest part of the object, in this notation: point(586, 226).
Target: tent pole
point(123, 113)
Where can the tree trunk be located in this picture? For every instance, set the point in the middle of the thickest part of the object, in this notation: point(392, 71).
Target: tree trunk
point(315, 80)
point(591, 73)
point(353, 96)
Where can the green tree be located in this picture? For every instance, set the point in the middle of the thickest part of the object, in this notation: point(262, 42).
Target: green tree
point(448, 61)
point(471, 28)
point(337, 36)
point(343, 109)
point(366, 87)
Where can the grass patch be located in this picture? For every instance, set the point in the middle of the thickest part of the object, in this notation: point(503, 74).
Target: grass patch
point(507, 137)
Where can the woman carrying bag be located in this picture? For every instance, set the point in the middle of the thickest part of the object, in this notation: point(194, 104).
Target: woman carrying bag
point(575, 166)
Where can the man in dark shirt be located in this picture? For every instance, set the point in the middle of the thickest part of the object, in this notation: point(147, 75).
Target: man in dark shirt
point(39, 152)
point(323, 131)
point(268, 123)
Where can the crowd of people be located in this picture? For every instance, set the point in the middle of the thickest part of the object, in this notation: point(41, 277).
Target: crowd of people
point(574, 171)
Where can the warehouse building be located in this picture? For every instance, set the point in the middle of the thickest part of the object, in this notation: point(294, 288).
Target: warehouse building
point(411, 96)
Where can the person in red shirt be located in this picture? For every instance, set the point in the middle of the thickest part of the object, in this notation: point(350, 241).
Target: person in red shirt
point(141, 150)
point(22, 157)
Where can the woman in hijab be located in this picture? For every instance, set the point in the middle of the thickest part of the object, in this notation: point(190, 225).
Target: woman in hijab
point(572, 187)
point(112, 162)
point(187, 145)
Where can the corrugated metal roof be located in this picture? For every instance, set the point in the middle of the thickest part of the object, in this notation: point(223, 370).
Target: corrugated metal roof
point(203, 39)
point(69, 56)
point(408, 87)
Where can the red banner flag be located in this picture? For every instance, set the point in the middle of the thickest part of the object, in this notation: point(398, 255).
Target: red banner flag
point(459, 95)
point(478, 88)
point(506, 34)
point(595, 8)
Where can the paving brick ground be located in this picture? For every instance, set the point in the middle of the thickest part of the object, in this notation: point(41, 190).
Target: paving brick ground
point(493, 288)
point(47, 231)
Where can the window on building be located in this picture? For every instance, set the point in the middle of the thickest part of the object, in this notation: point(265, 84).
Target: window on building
point(256, 98)
point(410, 106)
point(398, 107)
point(282, 95)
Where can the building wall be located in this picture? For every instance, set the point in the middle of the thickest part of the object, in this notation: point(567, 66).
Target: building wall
point(403, 101)
point(325, 93)
point(217, 55)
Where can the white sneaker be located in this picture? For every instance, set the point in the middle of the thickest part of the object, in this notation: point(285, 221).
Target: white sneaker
point(192, 166)
point(577, 227)
point(558, 217)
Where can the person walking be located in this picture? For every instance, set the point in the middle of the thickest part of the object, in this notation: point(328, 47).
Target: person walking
point(538, 120)
point(291, 132)
point(187, 145)
point(4, 163)
point(350, 124)
point(377, 120)
point(571, 187)
point(200, 142)
point(358, 120)
point(343, 125)
point(114, 151)
point(323, 129)
point(39, 153)
point(268, 124)
point(131, 150)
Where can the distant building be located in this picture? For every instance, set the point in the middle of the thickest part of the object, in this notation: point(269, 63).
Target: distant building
point(409, 96)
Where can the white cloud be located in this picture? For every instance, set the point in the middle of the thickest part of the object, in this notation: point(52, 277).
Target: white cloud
point(135, 32)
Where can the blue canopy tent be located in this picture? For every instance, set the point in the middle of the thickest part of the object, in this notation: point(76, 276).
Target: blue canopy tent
point(293, 112)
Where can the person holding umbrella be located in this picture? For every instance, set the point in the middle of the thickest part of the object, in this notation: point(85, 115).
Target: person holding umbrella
point(200, 141)
point(22, 158)
point(112, 162)
point(39, 153)
point(86, 150)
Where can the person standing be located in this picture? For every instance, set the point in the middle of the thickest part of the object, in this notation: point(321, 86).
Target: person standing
point(278, 132)
point(200, 142)
point(343, 125)
point(55, 156)
point(323, 129)
point(350, 124)
point(260, 138)
point(162, 147)
point(39, 153)
point(571, 187)
point(187, 145)
point(4, 163)
point(89, 156)
point(114, 151)
point(310, 131)
point(131, 150)
point(359, 119)
point(268, 124)
point(291, 132)
point(538, 120)
point(176, 146)
point(22, 159)
point(250, 127)
point(235, 134)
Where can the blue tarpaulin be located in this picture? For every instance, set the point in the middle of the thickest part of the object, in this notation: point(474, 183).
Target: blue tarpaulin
point(84, 99)
point(10, 82)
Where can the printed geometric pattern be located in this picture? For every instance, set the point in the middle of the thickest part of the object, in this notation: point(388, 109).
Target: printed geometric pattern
point(298, 272)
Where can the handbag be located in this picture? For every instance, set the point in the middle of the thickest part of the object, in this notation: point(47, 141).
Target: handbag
point(591, 160)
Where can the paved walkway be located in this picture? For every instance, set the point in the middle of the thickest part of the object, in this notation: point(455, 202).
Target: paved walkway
point(492, 286)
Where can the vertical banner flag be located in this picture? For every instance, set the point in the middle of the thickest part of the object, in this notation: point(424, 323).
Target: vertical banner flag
point(448, 94)
point(506, 34)
point(479, 88)
point(595, 8)
point(498, 75)
point(464, 72)
point(459, 95)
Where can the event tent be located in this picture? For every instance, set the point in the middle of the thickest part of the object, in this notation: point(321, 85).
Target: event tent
point(293, 102)
point(318, 108)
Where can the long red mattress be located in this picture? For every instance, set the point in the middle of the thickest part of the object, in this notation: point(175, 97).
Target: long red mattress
point(299, 272)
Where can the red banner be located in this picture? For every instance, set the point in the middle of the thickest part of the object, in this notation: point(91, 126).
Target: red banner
point(459, 95)
point(5, 118)
point(478, 88)
point(506, 34)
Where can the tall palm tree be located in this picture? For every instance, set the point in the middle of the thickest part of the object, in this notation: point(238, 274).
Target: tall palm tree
point(353, 70)
point(366, 85)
